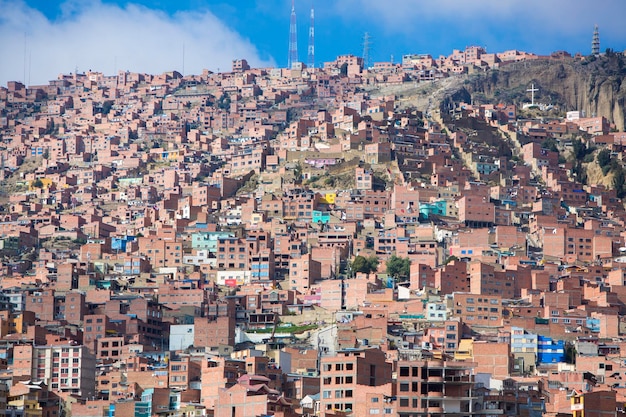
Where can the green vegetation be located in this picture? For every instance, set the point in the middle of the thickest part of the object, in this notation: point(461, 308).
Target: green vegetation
point(106, 106)
point(580, 150)
point(449, 259)
point(399, 268)
point(604, 160)
point(364, 265)
point(550, 144)
point(224, 101)
point(297, 173)
point(619, 182)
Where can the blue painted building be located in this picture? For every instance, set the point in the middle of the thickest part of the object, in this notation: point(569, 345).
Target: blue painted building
point(208, 240)
point(320, 217)
point(438, 208)
point(120, 243)
point(486, 168)
point(523, 341)
point(593, 324)
point(550, 351)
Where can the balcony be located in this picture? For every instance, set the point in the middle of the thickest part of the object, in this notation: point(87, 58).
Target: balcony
point(435, 409)
point(457, 379)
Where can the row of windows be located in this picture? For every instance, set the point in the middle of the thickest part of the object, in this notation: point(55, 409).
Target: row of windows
point(377, 410)
point(481, 300)
point(338, 380)
point(338, 367)
point(339, 393)
point(471, 309)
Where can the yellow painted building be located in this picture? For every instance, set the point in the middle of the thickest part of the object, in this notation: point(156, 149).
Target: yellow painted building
point(465, 351)
point(328, 198)
point(45, 183)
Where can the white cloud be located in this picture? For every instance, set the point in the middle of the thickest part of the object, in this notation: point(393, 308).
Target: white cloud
point(566, 17)
point(106, 38)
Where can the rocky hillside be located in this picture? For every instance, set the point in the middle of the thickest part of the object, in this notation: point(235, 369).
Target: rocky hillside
point(592, 84)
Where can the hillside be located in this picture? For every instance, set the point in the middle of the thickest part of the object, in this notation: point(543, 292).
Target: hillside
point(591, 84)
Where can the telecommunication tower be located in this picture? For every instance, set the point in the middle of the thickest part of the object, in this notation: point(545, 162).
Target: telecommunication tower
point(293, 37)
point(367, 43)
point(595, 42)
point(311, 61)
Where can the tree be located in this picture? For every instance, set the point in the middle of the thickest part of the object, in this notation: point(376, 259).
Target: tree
point(224, 101)
point(619, 182)
point(106, 106)
point(450, 258)
point(579, 149)
point(364, 265)
point(604, 158)
point(551, 144)
point(580, 172)
point(297, 173)
point(399, 268)
point(38, 183)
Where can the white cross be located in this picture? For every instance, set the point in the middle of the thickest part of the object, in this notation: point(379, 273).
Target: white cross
point(532, 90)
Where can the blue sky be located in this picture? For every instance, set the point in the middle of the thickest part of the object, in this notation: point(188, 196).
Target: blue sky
point(47, 37)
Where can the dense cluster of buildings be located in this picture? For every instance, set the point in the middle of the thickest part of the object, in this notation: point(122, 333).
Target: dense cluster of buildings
point(184, 246)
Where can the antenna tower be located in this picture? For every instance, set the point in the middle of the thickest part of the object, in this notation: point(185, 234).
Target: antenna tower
point(595, 42)
point(311, 61)
point(293, 37)
point(367, 42)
